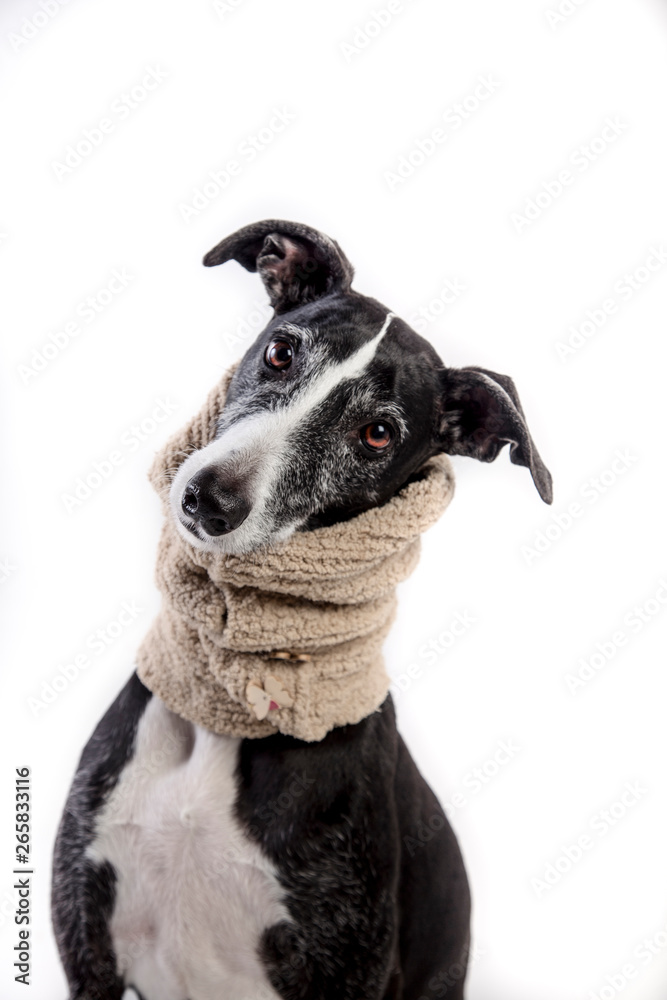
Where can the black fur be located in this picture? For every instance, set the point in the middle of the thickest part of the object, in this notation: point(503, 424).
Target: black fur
point(296, 263)
point(83, 892)
point(482, 413)
point(380, 911)
point(354, 883)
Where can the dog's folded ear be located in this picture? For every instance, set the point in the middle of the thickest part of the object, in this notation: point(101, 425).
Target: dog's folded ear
point(480, 414)
point(296, 263)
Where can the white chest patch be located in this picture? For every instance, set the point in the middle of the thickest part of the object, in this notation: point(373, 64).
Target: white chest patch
point(193, 893)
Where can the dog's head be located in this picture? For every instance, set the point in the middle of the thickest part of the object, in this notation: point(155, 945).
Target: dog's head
point(334, 407)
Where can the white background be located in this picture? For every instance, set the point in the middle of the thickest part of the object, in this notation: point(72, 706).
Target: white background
point(172, 331)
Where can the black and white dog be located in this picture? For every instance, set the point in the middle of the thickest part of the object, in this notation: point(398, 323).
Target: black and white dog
point(192, 866)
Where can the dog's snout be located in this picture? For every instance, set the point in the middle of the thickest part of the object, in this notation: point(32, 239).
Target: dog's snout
point(218, 507)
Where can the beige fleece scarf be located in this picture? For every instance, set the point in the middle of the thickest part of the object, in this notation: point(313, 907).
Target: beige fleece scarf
point(288, 637)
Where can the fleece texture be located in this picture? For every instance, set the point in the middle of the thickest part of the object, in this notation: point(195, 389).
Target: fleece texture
point(306, 617)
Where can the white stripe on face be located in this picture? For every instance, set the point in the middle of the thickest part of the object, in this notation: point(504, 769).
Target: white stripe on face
point(324, 384)
point(258, 442)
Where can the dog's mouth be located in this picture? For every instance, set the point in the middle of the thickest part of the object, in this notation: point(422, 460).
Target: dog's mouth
point(208, 530)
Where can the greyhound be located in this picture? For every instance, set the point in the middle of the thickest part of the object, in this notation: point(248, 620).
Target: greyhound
point(334, 408)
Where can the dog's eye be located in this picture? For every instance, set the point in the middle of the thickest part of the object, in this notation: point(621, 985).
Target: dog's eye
point(279, 354)
point(377, 436)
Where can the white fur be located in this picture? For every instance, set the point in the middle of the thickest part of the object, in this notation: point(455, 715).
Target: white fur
point(193, 893)
point(259, 442)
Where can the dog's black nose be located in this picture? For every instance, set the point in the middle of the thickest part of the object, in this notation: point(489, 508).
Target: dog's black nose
point(217, 508)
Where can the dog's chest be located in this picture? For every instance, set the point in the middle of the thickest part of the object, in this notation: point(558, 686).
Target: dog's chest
point(193, 893)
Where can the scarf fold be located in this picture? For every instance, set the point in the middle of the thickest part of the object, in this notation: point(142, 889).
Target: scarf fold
point(288, 637)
